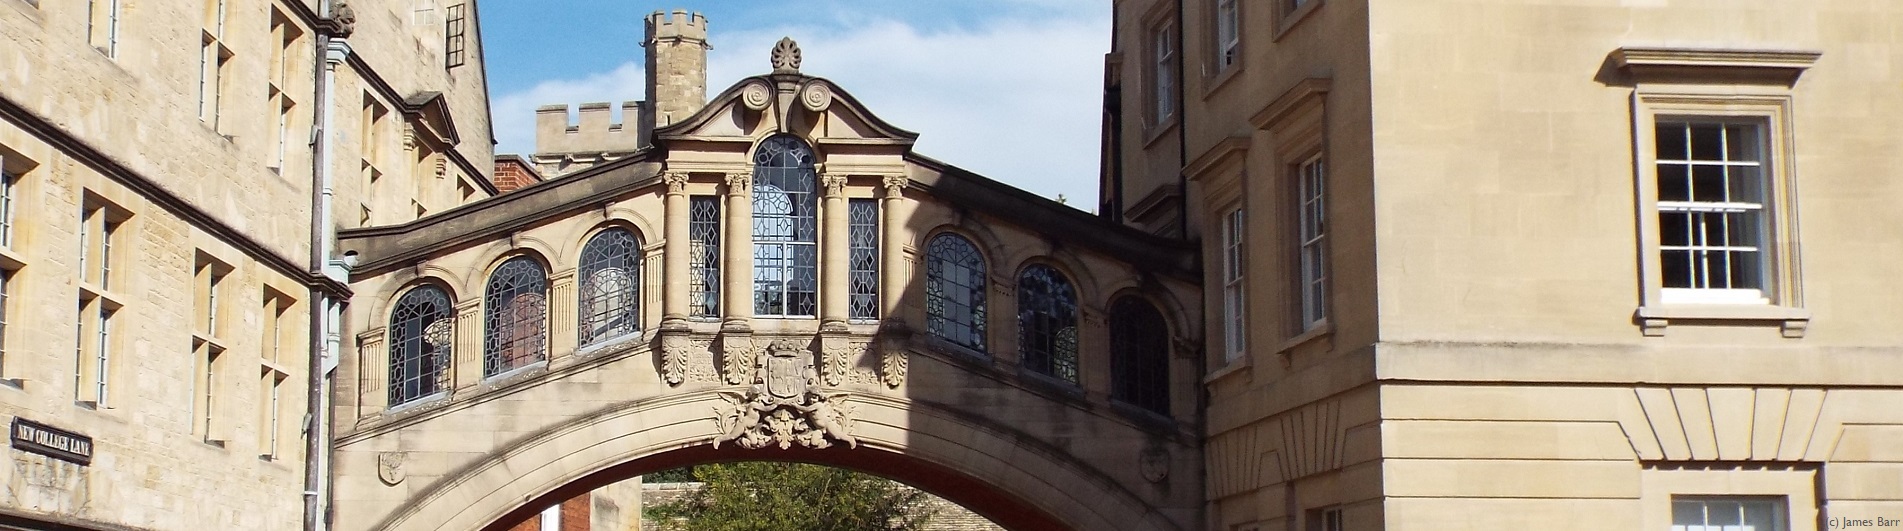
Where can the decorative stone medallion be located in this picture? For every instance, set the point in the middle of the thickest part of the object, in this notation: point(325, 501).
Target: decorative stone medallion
point(785, 406)
point(1155, 464)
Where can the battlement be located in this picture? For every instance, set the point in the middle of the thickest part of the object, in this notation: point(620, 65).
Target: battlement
point(594, 132)
point(676, 26)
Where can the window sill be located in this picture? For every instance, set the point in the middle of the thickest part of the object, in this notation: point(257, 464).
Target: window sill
point(417, 404)
point(1214, 83)
point(1654, 319)
point(1238, 365)
point(505, 377)
point(959, 352)
point(1143, 417)
point(1159, 131)
point(11, 260)
point(1052, 383)
point(1322, 329)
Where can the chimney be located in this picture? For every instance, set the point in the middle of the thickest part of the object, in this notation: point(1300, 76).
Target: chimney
point(676, 69)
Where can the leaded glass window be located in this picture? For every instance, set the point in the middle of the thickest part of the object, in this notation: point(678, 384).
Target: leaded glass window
point(1139, 355)
point(703, 256)
point(1047, 323)
point(785, 229)
point(516, 306)
point(610, 278)
point(862, 237)
point(955, 291)
point(422, 330)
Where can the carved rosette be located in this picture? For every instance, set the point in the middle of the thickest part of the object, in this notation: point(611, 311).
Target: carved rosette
point(816, 96)
point(785, 406)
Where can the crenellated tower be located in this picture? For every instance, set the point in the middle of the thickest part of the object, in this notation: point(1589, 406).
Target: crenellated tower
point(676, 69)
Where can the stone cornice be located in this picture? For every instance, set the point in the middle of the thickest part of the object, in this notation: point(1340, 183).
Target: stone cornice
point(85, 153)
point(1665, 65)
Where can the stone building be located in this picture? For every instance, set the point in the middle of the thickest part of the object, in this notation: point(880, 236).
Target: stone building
point(1502, 265)
point(1357, 264)
point(173, 174)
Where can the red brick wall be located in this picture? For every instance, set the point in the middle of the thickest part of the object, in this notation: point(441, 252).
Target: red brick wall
point(575, 513)
point(575, 516)
point(513, 174)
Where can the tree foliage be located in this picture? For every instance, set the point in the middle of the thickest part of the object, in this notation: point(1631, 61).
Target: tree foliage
point(766, 496)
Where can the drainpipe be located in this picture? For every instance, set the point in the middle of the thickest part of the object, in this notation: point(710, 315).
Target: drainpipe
point(326, 308)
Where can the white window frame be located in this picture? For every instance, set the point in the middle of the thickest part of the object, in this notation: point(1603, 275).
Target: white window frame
point(1707, 293)
point(1162, 73)
point(1780, 514)
point(9, 185)
point(1311, 178)
point(1780, 298)
point(1234, 299)
point(1228, 34)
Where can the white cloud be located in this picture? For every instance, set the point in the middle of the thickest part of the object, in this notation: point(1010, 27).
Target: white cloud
point(1017, 101)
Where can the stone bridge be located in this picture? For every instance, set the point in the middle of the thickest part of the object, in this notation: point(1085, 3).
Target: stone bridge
point(777, 277)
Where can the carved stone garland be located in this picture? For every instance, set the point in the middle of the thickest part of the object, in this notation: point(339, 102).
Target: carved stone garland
point(785, 406)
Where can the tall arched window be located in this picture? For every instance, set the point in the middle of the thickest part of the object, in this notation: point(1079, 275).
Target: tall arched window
point(785, 229)
point(610, 286)
point(516, 310)
point(422, 329)
point(1139, 355)
point(955, 291)
point(1047, 323)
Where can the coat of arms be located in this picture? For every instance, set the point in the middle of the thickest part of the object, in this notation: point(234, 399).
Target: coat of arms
point(785, 406)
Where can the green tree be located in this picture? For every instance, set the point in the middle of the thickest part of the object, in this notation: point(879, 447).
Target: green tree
point(764, 496)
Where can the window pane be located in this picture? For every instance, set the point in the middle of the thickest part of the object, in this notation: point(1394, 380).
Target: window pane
point(1707, 142)
point(421, 331)
point(516, 311)
point(1674, 183)
point(703, 231)
point(1047, 323)
point(1708, 183)
point(1747, 184)
point(955, 291)
point(1674, 229)
point(610, 277)
point(863, 255)
point(785, 227)
point(1741, 143)
point(1677, 269)
point(1671, 141)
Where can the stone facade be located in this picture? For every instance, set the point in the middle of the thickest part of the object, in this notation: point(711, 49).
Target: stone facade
point(1500, 345)
point(162, 199)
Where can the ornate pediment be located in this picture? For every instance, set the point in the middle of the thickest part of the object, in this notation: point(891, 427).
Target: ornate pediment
point(786, 101)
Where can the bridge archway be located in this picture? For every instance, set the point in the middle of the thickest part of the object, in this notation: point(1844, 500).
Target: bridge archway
point(1005, 476)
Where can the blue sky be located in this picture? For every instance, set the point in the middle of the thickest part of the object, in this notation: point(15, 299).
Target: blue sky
point(1007, 88)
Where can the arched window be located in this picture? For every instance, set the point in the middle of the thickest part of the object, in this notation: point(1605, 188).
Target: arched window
point(1139, 355)
point(955, 291)
point(517, 314)
point(785, 229)
point(422, 328)
point(1047, 323)
point(610, 291)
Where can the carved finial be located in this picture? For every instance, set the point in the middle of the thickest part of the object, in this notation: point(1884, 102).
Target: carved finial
point(786, 56)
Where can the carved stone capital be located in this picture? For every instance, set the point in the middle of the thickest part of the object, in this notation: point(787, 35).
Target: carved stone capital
point(676, 182)
point(894, 185)
point(740, 183)
point(835, 184)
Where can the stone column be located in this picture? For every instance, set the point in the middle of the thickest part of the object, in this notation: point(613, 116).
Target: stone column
point(737, 276)
point(468, 349)
point(835, 258)
point(674, 252)
point(562, 338)
point(892, 252)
